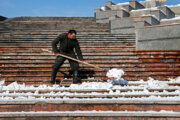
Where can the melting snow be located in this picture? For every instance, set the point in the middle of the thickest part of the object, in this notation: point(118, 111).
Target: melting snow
point(14, 91)
point(115, 73)
point(175, 18)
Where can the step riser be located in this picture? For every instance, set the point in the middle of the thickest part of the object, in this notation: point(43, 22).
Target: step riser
point(89, 118)
point(88, 107)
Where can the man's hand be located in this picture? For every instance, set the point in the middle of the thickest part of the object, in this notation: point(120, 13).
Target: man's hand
point(56, 54)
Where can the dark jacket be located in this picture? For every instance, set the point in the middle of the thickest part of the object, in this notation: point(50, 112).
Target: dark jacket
point(66, 46)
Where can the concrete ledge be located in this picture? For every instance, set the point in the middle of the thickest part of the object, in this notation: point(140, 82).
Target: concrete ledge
point(85, 101)
point(91, 114)
point(125, 25)
point(160, 37)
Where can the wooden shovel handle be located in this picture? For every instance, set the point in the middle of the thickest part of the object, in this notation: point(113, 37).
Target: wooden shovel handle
point(82, 62)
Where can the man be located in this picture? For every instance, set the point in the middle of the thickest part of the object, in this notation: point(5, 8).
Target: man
point(68, 42)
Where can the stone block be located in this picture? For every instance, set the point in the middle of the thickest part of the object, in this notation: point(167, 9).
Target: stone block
point(128, 8)
point(113, 17)
point(109, 3)
point(151, 20)
point(141, 24)
point(170, 21)
point(122, 13)
point(152, 3)
point(137, 13)
point(136, 5)
point(165, 37)
point(158, 14)
point(124, 25)
point(97, 10)
point(168, 12)
point(103, 16)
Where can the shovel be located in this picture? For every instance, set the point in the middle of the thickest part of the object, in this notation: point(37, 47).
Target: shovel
point(114, 82)
point(82, 62)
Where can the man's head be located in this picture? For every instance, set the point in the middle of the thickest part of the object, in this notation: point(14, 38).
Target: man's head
point(72, 34)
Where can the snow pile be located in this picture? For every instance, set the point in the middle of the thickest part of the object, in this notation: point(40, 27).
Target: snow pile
point(175, 18)
point(103, 8)
point(173, 5)
point(135, 90)
point(125, 3)
point(115, 73)
point(176, 80)
point(92, 85)
point(156, 84)
point(152, 8)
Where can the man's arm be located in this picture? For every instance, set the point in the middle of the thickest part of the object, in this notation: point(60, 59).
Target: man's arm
point(78, 51)
point(54, 44)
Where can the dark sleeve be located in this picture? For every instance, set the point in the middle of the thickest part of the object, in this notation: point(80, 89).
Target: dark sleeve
point(78, 51)
point(55, 42)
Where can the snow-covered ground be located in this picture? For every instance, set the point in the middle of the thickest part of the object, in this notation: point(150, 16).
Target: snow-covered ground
point(17, 91)
point(175, 18)
point(136, 90)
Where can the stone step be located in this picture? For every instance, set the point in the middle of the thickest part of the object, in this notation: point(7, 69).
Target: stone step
point(99, 77)
point(90, 115)
point(44, 79)
point(51, 19)
point(84, 50)
point(85, 31)
point(81, 41)
point(45, 37)
point(82, 46)
point(64, 67)
point(94, 73)
point(86, 90)
point(93, 95)
point(40, 43)
point(122, 65)
point(89, 105)
point(79, 33)
point(118, 61)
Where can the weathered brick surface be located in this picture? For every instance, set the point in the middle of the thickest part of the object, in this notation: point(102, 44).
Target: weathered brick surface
point(89, 107)
point(90, 118)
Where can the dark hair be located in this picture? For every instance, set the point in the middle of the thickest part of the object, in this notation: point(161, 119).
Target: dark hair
point(72, 31)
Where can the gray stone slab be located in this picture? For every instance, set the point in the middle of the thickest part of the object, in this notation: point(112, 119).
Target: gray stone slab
point(124, 25)
point(158, 38)
point(85, 101)
point(135, 4)
point(167, 11)
point(91, 113)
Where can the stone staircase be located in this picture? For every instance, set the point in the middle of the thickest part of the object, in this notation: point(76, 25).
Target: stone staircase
point(26, 52)
point(95, 100)
point(26, 57)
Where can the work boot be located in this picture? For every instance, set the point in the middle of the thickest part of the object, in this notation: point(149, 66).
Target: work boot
point(53, 76)
point(75, 74)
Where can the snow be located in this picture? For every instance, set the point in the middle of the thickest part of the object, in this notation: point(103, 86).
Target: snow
point(115, 73)
point(175, 18)
point(103, 8)
point(152, 8)
point(125, 3)
point(96, 90)
point(152, 16)
point(93, 111)
point(18, 92)
point(173, 5)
